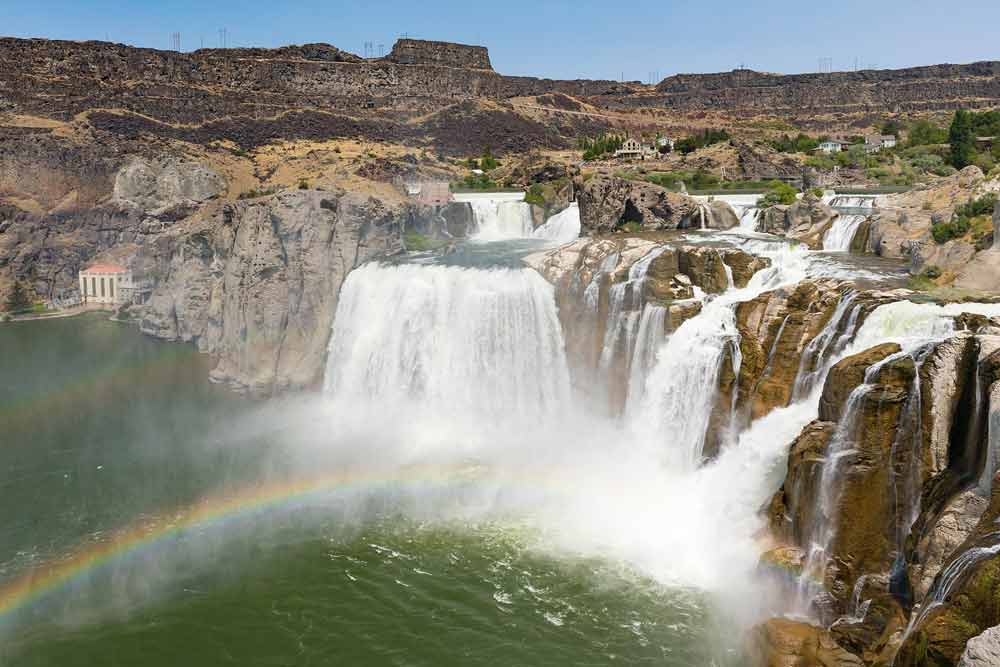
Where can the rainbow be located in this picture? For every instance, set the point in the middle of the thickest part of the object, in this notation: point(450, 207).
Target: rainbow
point(55, 575)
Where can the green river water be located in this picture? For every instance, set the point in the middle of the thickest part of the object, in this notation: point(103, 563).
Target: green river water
point(102, 427)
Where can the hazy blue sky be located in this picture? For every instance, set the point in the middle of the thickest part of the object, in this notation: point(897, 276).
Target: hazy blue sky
point(557, 38)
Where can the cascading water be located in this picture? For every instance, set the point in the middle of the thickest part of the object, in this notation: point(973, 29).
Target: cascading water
point(481, 342)
point(499, 216)
point(562, 227)
point(855, 211)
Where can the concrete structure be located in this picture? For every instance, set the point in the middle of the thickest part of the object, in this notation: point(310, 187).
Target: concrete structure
point(428, 193)
point(876, 142)
point(105, 284)
point(833, 146)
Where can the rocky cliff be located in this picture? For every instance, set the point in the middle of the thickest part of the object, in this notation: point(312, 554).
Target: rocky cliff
point(256, 282)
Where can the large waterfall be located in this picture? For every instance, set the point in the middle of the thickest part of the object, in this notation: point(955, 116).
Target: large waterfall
point(479, 342)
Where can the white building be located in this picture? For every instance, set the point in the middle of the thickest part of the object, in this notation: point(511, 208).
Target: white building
point(632, 149)
point(665, 142)
point(876, 142)
point(107, 284)
point(833, 146)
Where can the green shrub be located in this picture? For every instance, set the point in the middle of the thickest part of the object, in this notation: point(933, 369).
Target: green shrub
point(778, 193)
point(303, 184)
point(947, 231)
point(932, 272)
point(474, 182)
point(535, 195)
point(488, 162)
point(419, 243)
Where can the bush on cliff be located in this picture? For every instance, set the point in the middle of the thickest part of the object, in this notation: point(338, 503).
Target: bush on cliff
point(778, 193)
point(975, 214)
point(706, 138)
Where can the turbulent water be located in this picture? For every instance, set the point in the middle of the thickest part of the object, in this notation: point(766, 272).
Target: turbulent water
point(487, 514)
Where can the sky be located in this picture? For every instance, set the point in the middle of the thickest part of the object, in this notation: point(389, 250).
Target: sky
point(638, 40)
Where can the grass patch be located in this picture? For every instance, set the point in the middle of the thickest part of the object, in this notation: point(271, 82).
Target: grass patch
point(416, 242)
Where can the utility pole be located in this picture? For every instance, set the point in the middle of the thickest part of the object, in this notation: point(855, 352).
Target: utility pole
point(175, 39)
point(223, 38)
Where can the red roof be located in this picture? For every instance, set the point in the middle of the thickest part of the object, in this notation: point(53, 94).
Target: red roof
point(104, 268)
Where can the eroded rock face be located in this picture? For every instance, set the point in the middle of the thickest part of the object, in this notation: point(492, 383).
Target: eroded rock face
point(608, 203)
point(782, 642)
point(160, 184)
point(257, 283)
point(807, 220)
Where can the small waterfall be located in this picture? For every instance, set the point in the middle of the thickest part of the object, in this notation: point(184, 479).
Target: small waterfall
point(840, 235)
point(946, 580)
point(652, 325)
point(676, 404)
point(625, 301)
point(562, 227)
point(812, 369)
point(842, 444)
point(499, 216)
point(468, 341)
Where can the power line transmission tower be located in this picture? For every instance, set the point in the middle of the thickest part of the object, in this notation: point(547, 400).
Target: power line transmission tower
point(175, 39)
point(223, 38)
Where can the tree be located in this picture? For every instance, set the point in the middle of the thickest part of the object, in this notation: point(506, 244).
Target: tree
point(961, 140)
point(923, 133)
point(893, 127)
point(488, 162)
point(18, 298)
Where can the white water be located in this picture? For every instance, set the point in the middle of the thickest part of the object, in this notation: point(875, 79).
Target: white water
point(840, 235)
point(469, 365)
point(485, 343)
point(499, 216)
point(562, 227)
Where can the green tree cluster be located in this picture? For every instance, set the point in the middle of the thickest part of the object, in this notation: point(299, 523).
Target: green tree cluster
point(701, 140)
point(595, 148)
point(799, 144)
point(18, 298)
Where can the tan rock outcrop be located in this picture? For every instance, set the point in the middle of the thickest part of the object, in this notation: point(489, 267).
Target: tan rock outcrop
point(608, 203)
point(782, 642)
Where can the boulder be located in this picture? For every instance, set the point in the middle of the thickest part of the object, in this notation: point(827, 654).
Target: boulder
point(608, 203)
point(782, 642)
point(983, 650)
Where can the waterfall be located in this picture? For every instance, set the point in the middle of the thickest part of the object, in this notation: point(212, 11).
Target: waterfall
point(652, 324)
point(562, 227)
point(945, 581)
point(840, 235)
point(811, 367)
point(483, 342)
point(499, 216)
point(676, 403)
point(624, 309)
